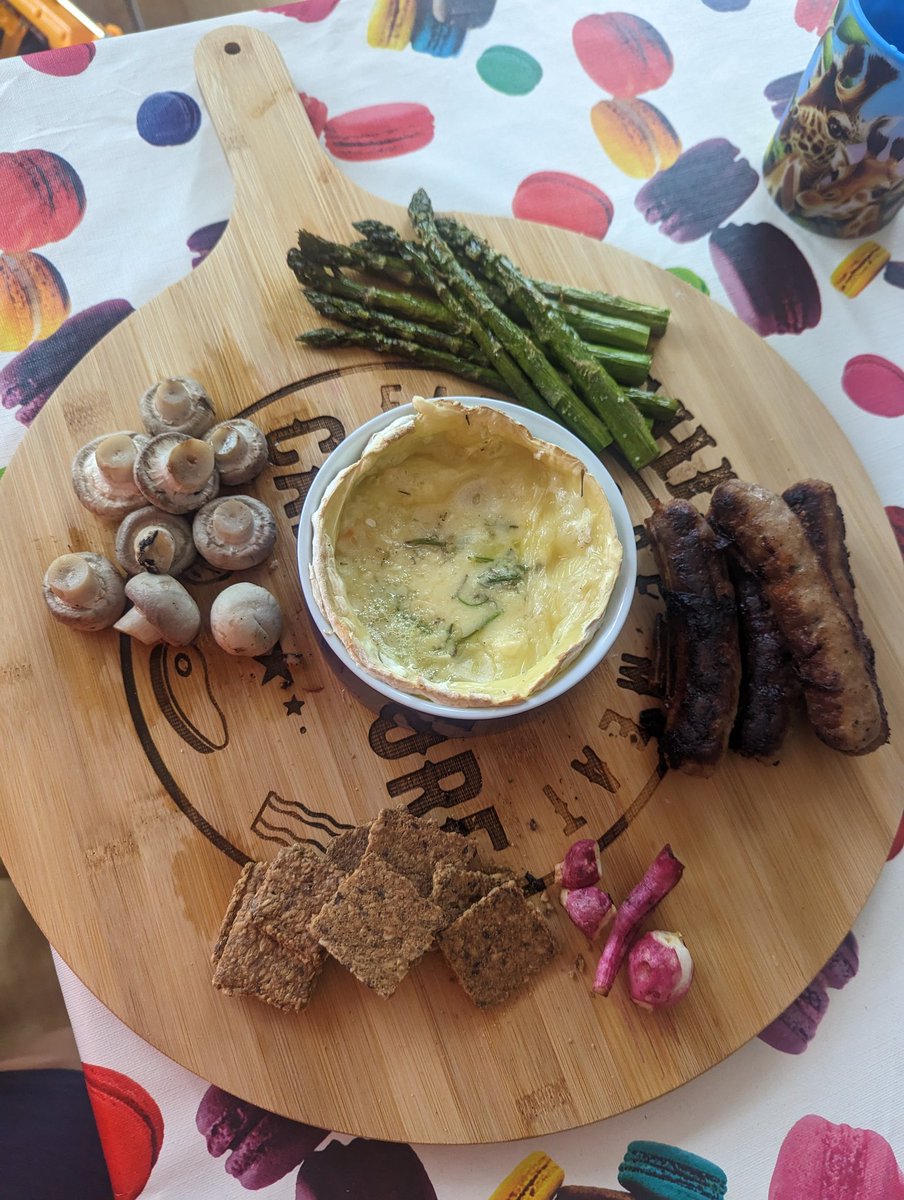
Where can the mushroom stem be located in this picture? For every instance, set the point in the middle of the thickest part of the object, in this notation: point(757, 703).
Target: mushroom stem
point(228, 443)
point(135, 624)
point(155, 549)
point(233, 521)
point(190, 463)
point(115, 458)
point(74, 581)
point(172, 401)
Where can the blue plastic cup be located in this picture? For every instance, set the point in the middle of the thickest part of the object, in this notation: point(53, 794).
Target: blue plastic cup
point(836, 162)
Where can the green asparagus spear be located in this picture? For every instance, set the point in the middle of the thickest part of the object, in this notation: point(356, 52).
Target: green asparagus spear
point(454, 284)
point(654, 318)
point(359, 257)
point(605, 330)
point(357, 316)
point(651, 404)
point(599, 388)
point(427, 356)
point(615, 331)
point(411, 307)
point(625, 366)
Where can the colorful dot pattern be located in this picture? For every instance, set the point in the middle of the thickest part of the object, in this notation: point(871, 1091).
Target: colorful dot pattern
point(645, 128)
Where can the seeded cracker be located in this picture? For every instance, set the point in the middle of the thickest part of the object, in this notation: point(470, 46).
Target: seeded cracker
point(496, 945)
point(455, 889)
point(295, 887)
point(345, 852)
point(377, 925)
point(251, 963)
point(235, 901)
point(413, 848)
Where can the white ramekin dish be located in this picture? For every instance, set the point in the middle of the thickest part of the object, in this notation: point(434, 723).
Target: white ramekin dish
point(420, 712)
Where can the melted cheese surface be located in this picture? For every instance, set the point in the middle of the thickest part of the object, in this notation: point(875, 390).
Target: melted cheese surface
point(469, 563)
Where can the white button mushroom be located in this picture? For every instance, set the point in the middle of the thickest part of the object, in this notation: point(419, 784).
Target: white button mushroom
point(240, 450)
point(103, 474)
point(245, 620)
point(84, 590)
point(176, 473)
point(176, 406)
point(162, 611)
point(154, 541)
point(234, 532)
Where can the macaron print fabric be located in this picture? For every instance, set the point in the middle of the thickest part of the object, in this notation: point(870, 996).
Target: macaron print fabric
point(502, 125)
point(655, 1171)
point(131, 1128)
point(820, 1160)
point(434, 27)
point(42, 199)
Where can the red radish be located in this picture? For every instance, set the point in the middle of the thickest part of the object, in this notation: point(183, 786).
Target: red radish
point(589, 909)
point(660, 970)
point(582, 866)
point(661, 876)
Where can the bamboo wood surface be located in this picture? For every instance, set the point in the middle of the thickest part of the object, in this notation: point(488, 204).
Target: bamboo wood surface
point(135, 780)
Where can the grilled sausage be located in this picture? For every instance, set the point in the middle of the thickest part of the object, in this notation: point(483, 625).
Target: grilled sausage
point(843, 700)
point(769, 686)
point(703, 660)
point(817, 509)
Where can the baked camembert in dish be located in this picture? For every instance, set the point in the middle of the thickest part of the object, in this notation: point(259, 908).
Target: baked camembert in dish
point(461, 559)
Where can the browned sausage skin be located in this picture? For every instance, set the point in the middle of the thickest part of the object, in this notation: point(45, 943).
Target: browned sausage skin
point(703, 661)
point(817, 508)
point(769, 685)
point(843, 700)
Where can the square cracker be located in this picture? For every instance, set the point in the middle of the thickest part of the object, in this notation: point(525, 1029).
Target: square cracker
point(296, 885)
point(413, 848)
point(345, 852)
point(248, 962)
point(496, 945)
point(456, 888)
point(249, 878)
point(377, 925)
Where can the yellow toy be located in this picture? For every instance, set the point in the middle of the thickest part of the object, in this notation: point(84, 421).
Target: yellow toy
point(27, 26)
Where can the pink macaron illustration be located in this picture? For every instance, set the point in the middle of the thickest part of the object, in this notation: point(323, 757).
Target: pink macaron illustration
point(41, 199)
point(379, 131)
point(874, 384)
point(822, 1161)
point(307, 11)
point(567, 201)
point(63, 61)
point(622, 53)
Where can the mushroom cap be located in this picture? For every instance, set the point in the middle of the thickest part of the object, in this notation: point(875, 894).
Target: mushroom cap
point(165, 603)
point(234, 532)
point(107, 496)
point(245, 620)
point(140, 546)
point(240, 448)
point(176, 405)
point(158, 485)
point(97, 611)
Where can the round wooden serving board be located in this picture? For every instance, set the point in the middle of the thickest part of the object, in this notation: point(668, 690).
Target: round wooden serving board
point(136, 781)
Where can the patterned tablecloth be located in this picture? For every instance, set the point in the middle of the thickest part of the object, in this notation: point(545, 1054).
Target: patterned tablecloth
point(113, 185)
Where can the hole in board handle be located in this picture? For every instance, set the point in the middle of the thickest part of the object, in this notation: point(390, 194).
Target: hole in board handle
point(232, 48)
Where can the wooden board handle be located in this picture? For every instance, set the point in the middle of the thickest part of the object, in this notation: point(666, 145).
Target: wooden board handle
point(283, 178)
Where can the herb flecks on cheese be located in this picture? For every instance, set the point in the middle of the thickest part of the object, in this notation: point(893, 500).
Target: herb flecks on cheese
point(463, 558)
